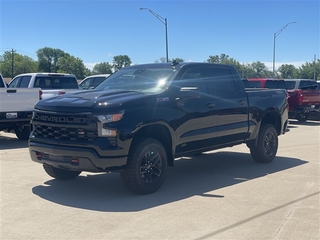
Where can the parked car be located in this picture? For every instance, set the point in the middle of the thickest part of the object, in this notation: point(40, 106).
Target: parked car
point(16, 106)
point(266, 83)
point(304, 100)
point(144, 116)
point(92, 81)
point(51, 84)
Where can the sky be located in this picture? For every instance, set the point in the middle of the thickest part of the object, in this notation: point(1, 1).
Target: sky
point(97, 30)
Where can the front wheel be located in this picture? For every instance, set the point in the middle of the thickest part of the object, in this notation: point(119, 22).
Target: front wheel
point(267, 146)
point(60, 174)
point(22, 132)
point(146, 168)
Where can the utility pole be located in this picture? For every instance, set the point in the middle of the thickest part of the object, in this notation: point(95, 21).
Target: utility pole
point(314, 68)
point(12, 62)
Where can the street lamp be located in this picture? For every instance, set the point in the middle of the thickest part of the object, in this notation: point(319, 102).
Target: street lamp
point(164, 21)
point(276, 34)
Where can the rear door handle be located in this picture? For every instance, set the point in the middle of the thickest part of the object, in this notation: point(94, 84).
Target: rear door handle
point(242, 102)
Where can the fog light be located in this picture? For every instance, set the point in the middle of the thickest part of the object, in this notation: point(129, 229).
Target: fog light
point(108, 132)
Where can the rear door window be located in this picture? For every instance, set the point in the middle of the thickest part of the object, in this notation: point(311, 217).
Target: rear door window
point(220, 81)
point(25, 81)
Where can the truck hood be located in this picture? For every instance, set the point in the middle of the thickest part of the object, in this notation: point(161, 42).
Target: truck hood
point(92, 100)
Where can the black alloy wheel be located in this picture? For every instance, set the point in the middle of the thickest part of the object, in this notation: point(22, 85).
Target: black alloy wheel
point(146, 167)
point(267, 146)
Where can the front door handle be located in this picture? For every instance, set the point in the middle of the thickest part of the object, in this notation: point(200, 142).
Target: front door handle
point(211, 105)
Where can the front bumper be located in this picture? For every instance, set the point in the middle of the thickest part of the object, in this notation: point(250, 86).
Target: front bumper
point(75, 158)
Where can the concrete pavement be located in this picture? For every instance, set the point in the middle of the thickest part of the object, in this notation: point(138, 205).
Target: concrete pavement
point(222, 194)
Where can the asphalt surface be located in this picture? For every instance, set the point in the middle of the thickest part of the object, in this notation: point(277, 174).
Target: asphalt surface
point(222, 194)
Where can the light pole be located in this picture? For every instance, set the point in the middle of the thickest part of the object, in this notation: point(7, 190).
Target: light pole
point(164, 21)
point(276, 34)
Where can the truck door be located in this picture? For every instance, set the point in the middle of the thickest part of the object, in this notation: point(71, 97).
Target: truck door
point(196, 129)
point(230, 103)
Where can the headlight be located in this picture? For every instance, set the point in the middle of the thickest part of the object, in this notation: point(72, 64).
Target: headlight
point(107, 118)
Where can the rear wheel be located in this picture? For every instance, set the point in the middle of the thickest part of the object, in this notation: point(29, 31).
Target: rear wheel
point(23, 132)
point(146, 168)
point(60, 174)
point(267, 147)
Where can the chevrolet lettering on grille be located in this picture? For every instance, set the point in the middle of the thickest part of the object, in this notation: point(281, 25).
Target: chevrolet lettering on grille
point(58, 119)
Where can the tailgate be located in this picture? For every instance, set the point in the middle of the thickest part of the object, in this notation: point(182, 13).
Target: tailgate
point(311, 97)
point(18, 99)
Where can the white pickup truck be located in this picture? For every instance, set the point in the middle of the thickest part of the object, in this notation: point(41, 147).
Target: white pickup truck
point(51, 84)
point(16, 107)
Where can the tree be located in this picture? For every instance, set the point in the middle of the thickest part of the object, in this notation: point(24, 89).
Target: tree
point(21, 64)
point(71, 64)
point(164, 60)
point(288, 71)
point(48, 59)
point(102, 68)
point(177, 59)
point(121, 61)
point(260, 70)
point(307, 70)
point(225, 59)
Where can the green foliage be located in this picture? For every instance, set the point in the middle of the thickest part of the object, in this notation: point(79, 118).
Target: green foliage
point(48, 59)
point(288, 71)
point(164, 60)
point(56, 60)
point(225, 59)
point(21, 64)
point(121, 61)
point(102, 68)
point(177, 60)
point(260, 69)
point(307, 70)
point(71, 64)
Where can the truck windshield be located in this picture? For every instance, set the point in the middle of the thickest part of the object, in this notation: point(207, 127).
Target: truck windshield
point(148, 79)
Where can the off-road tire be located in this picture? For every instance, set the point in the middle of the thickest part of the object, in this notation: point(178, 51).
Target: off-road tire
point(60, 174)
point(267, 146)
point(146, 167)
point(22, 132)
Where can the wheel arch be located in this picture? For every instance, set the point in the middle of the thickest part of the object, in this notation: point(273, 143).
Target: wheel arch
point(270, 117)
point(159, 132)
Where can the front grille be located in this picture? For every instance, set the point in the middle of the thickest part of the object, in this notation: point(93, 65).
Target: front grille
point(64, 133)
point(64, 127)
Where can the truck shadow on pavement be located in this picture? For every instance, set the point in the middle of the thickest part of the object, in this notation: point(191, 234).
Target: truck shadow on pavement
point(8, 142)
point(201, 176)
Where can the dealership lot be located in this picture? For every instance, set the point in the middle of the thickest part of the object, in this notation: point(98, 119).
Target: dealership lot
point(222, 194)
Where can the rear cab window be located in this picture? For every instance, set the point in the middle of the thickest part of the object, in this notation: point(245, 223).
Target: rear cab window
point(56, 82)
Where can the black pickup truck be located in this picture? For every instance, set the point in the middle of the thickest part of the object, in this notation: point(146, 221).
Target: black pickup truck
point(144, 116)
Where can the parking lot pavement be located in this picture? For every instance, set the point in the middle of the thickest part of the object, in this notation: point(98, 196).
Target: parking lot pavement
point(222, 194)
